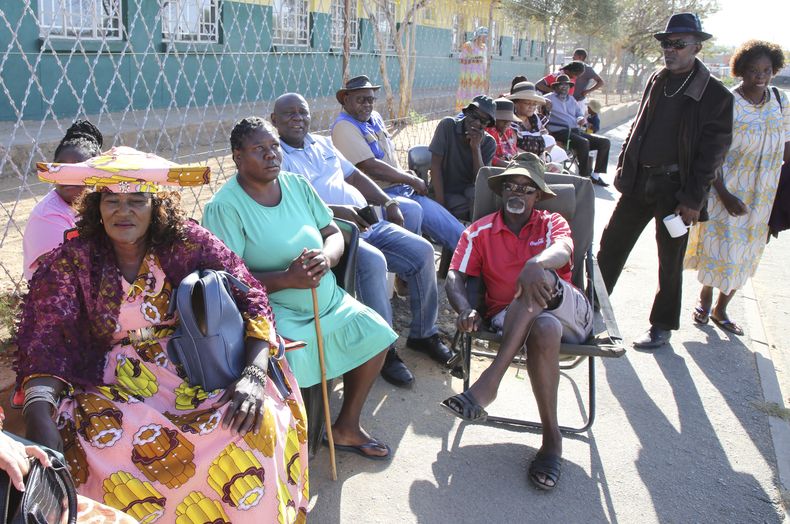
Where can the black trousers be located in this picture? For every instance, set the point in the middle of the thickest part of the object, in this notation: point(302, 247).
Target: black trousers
point(582, 144)
point(654, 198)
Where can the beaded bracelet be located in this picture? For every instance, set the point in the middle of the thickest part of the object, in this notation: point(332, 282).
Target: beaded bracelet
point(255, 373)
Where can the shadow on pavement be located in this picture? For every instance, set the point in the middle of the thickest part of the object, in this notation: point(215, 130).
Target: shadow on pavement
point(683, 464)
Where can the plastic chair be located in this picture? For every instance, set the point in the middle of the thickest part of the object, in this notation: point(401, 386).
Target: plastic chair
point(575, 200)
point(419, 159)
point(344, 273)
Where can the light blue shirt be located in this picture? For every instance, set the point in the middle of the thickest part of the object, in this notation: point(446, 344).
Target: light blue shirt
point(325, 167)
point(564, 113)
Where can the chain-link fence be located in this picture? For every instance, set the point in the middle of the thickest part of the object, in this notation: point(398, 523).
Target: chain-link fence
point(172, 76)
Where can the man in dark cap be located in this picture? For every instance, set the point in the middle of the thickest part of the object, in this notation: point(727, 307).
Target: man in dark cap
point(459, 148)
point(678, 140)
point(360, 134)
point(523, 255)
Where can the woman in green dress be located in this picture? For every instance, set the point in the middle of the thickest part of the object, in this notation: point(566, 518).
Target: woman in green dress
point(277, 223)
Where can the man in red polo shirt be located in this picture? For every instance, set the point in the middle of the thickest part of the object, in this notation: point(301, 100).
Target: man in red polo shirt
point(523, 256)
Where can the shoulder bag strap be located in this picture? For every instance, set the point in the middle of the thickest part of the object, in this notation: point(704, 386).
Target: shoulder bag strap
point(778, 97)
point(184, 302)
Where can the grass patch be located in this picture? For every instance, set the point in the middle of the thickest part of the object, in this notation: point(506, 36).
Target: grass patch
point(774, 410)
point(9, 306)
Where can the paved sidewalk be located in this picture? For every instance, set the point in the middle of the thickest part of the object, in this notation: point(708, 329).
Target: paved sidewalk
point(677, 439)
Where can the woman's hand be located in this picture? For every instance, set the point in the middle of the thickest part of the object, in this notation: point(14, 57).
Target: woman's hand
point(306, 270)
point(734, 205)
point(15, 459)
point(245, 406)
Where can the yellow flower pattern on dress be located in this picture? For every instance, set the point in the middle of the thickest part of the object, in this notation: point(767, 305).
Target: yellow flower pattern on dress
point(135, 377)
point(196, 508)
point(129, 494)
point(237, 477)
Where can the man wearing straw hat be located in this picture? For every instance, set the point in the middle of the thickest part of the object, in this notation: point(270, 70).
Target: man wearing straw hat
point(360, 134)
point(523, 255)
point(564, 121)
point(678, 140)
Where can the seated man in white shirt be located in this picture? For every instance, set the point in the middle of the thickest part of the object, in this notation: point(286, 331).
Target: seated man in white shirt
point(360, 134)
point(564, 122)
point(383, 246)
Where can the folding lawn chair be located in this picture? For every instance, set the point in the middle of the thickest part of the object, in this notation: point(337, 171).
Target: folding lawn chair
point(575, 201)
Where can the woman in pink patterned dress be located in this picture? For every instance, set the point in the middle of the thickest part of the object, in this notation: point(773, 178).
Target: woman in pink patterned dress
point(474, 57)
point(98, 381)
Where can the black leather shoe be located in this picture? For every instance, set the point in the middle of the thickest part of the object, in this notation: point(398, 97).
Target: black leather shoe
point(600, 182)
point(395, 371)
point(653, 338)
point(431, 346)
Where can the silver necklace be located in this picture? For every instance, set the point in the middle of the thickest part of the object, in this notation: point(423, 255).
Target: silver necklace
point(681, 85)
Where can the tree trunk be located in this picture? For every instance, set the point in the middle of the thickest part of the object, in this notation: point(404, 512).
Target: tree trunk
point(346, 40)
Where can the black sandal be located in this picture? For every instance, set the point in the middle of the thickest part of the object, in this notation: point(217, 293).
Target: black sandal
point(465, 407)
point(548, 465)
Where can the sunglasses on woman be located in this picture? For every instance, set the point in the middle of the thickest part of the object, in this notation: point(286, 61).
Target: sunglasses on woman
point(521, 189)
point(676, 44)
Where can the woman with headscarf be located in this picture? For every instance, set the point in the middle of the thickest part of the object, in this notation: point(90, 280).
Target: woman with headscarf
point(97, 378)
point(474, 57)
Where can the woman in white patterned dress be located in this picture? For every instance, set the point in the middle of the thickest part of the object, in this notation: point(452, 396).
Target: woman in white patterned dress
point(726, 249)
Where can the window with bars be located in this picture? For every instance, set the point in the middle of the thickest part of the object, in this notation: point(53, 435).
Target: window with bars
point(338, 8)
point(291, 24)
point(190, 20)
point(383, 23)
point(89, 19)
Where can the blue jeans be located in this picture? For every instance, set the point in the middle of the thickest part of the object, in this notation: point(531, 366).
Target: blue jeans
point(437, 222)
point(387, 247)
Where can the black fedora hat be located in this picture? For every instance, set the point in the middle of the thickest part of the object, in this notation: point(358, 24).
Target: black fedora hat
point(684, 23)
point(354, 84)
point(562, 79)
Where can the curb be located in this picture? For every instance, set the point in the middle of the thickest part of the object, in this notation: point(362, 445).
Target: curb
point(771, 389)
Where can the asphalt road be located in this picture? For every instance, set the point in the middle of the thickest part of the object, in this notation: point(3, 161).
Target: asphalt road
point(678, 436)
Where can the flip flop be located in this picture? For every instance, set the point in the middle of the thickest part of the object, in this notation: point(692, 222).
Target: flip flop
point(465, 407)
point(700, 316)
point(548, 465)
point(360, 449)
point(728, 325)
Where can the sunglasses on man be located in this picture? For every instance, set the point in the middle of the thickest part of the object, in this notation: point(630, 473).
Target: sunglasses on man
point(521, 189)
point(676, 44)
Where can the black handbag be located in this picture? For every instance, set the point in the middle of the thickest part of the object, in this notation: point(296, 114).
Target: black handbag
point(49, 494)
point(531, 144)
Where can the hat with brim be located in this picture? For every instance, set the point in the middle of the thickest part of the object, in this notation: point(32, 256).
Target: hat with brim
point(486, 105)
point(595, 105)
point(505, 110)
point(523, 164)
point(125, 170)
point(562, 79)
point(684, 23)
point(354, 84)
point(525, 91)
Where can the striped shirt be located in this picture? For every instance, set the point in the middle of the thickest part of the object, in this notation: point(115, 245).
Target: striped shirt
point(489, 249)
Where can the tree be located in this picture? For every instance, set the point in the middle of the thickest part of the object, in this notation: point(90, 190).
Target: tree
point(382, 16)
point(558, 16)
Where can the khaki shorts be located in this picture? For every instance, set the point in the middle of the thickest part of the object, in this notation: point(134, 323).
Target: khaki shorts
point(573, 313)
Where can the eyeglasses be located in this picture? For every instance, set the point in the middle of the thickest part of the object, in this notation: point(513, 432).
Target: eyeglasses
point(365, 99)
point(676, 44)
point(522, 189)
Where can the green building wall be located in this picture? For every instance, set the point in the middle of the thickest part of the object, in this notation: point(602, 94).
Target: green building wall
point(87, 77)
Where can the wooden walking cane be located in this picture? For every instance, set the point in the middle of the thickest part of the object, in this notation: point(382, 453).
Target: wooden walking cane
point(324, 392)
